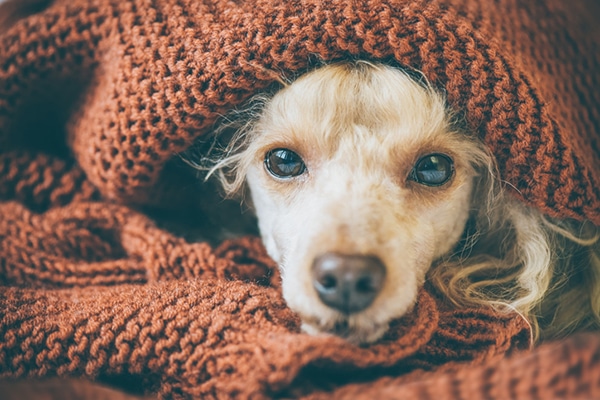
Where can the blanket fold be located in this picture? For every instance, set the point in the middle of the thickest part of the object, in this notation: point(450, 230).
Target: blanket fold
point(210, 338)
point(97, 98)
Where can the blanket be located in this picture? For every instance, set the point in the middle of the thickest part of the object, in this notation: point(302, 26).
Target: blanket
point(97, 99)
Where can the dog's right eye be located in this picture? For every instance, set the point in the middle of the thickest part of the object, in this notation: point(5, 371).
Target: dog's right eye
point(284, 163)
point(433, 170)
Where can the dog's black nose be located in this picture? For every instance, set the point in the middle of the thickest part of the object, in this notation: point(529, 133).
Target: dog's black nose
point(348, 283)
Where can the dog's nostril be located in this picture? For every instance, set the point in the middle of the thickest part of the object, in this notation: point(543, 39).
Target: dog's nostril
point(348, 283)
point(328, 281)
point(365, 284)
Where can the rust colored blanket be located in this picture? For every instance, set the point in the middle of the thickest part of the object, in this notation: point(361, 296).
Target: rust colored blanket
point(98, 96)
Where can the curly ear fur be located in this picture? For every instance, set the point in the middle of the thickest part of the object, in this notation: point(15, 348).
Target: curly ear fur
point(514, 257)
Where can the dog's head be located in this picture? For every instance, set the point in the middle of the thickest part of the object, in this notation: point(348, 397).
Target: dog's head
point(359, 183)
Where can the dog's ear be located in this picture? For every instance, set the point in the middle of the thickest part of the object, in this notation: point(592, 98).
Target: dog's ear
point(13, 10)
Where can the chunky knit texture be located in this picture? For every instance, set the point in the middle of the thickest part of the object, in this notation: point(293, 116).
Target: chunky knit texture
point(96, 98)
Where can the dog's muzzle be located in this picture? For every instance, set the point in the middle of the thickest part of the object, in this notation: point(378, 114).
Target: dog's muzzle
point(348, 283)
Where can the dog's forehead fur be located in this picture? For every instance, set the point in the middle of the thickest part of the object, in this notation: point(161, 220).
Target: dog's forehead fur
point(364, 119)
point(362, 104)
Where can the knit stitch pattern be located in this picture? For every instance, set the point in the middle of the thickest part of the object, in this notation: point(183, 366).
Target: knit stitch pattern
point(97, 98)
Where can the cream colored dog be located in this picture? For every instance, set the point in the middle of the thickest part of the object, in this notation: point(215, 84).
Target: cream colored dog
point(363, 183)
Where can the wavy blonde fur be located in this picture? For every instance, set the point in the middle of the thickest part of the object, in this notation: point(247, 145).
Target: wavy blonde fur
point(516, 258)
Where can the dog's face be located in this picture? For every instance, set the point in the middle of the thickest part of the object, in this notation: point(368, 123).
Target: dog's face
point(359, 185)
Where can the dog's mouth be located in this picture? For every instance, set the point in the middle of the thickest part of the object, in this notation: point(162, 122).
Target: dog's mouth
point(348, 329)
point(342, 329)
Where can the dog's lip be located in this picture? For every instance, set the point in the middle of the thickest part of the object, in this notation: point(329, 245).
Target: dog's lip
point(344, 329)
point(341, 328)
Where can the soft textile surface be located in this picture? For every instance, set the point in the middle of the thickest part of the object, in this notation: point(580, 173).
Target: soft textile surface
point(198, 327)
point(96, 99)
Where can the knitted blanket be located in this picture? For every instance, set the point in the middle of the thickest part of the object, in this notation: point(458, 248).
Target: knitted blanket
point(97, 98)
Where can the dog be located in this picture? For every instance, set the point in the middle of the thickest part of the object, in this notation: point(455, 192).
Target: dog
point(366, 184)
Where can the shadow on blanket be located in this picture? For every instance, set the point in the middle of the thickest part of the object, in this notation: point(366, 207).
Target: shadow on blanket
point(98, 97)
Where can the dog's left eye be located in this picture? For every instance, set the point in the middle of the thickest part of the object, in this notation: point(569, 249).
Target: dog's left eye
point(284, 163)
point(433, 170)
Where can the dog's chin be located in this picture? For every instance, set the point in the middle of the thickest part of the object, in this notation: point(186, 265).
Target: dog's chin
point(346, 329)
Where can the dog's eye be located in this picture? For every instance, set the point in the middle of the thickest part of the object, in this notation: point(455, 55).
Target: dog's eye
point(433, 170)
point(284, 163)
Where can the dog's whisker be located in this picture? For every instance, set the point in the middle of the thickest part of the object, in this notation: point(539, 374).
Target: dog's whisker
point(507, 183)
